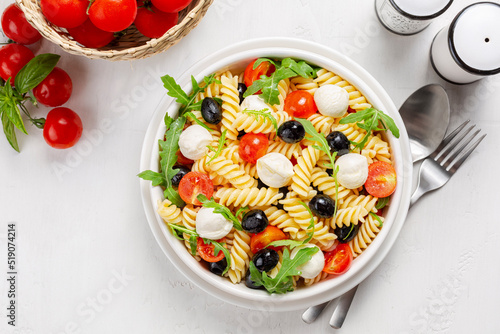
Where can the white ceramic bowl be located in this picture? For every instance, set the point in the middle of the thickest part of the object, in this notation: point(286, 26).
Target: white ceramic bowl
point(238, 56)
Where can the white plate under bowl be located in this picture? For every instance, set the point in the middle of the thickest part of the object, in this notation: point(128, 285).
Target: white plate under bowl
point(239, 55)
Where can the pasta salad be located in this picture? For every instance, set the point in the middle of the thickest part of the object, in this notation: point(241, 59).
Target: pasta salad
point(276, 176)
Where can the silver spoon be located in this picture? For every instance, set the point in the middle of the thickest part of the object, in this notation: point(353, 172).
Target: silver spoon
point(421, 112)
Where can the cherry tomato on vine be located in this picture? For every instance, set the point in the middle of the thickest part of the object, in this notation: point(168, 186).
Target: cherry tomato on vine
point(251, 74)
point(90, 36)
point(65, 13)
point(16, 27)
point(12, 58)
point(55, 89)
point(207, 251)
point(339, 260)
point(261, 240)
point(63, 128)
point(113, 15)
point(193, 184)
point(300, 103)
point(152, 22)
point(253, 146)
point(382, 180)
point(171, 6)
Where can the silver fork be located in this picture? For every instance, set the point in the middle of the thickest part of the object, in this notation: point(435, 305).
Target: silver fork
point(434, 173)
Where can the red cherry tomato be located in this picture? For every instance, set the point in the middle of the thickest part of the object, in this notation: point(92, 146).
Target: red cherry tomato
point(382, 180)
point(261, 240)
point(193, 184)
point(253, 146)
point(55, 89)
point(16, 27)
point(171, 6)
point(181, 159)
point(90, 36)
point(251, 74)
point(339, 260)
point(12, 58)
point(207, 251)
point(113, 15)
point(153, 23)
point(65, 13)
point(63, 128)
point(300, 104)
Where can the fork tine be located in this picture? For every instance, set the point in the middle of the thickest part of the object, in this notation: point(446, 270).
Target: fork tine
point(453, 155)
point(453, 168)
point(451, 146)
point(448, 139)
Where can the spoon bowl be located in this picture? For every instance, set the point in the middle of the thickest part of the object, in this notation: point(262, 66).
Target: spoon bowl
point(425, 113)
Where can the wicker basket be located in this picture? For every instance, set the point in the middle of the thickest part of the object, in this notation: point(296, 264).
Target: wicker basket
point(132, 45)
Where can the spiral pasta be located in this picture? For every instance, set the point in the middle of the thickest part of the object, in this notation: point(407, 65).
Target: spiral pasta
point(232, 172)
point(240, 256)
point(253, 123)
point(248, 197)
point(230, 105)
point(169, 212)
point(301, 181)
point(367, 232)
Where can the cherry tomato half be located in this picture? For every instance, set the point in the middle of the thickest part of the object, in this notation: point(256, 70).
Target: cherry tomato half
point(63, 128)
point(300, 103)
point(261, 240)
point(207, 251)
point(381, 181)
point(12, 58)
point(339, 260)
point(181, 159)
point(55, 89)
point(113, 15)
point(16, 27)
point(153, 23)
point(90, 36)
point(171, 6)
point(253, 146)
point(193, 184)
point(65, 13)
point(251, 74)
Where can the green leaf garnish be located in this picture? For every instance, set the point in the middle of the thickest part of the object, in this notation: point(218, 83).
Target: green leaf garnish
point(257, 114)
point(181, 229)
point(240, 211)
point(219, 247)
point(193, 243)
point(369, 120)
point(285, 69)
point(283, 281)
point(158, 179)
point(8, 129)
point(374, 215)
point(221, 209)
point(200, 123)
point(35, 71)
point(382, 203)
point(220, 146)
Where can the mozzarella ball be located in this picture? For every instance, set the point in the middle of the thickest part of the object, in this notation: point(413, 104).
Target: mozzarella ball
point(353, 170)
point(314, 266)
point(193, 142)
point(212, 225)
point(254, 102)
point(331, 100)
point(275, 170)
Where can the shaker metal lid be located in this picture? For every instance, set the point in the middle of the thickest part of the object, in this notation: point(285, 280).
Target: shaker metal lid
point(421, 9)
point(474, 38)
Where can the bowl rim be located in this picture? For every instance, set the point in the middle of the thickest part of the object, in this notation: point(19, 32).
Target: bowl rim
point(366, 262)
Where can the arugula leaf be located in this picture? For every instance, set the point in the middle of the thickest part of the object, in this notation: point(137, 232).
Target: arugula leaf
point(241, 211)
point(382, 203)
point(222, 142)
point(8, 129)
point(174, 90)
point(310, 228)
point(285, 69)
point(221, 209)
point(35, 71)
point(377, 217)
point(369, 120)
point(158, 179)
point(193, 244)
point(257, 114)
point(283, 282)
point(182, 229)
point(200, 123)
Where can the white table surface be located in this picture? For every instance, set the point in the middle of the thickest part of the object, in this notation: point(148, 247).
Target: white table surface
point(88, 263)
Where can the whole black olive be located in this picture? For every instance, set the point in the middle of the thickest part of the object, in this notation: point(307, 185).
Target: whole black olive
point(322, 206)
point(242, 88)
point(346, 233)
point(211, 111)
point(254, 221)
point(176, 179)
point(218, 267)
point(291, 132)
point(250, 283)
point(338, 142)
point(266, 259)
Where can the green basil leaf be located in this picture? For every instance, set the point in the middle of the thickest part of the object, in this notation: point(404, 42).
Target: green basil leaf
point(35, 71)
point(8, 129)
